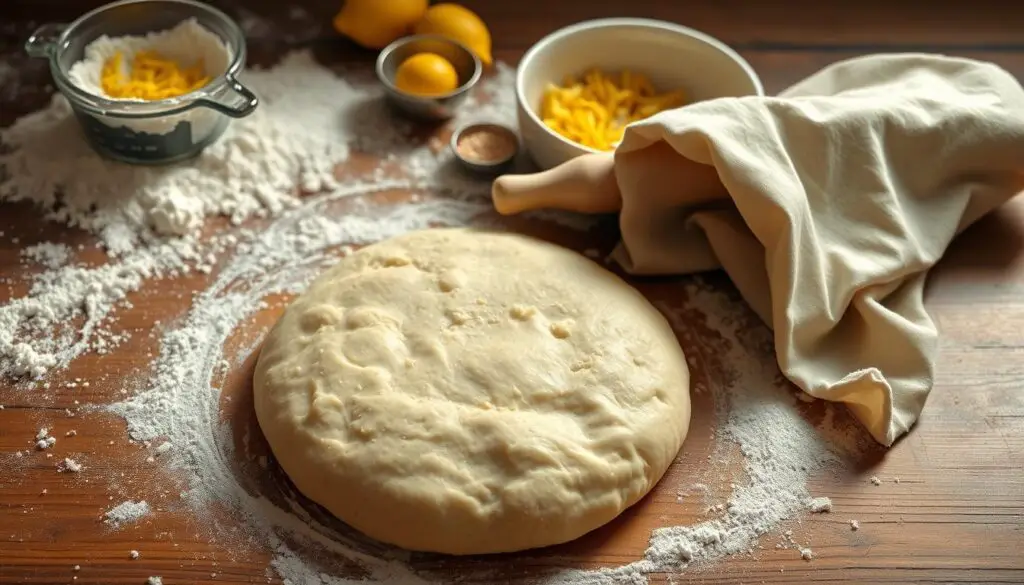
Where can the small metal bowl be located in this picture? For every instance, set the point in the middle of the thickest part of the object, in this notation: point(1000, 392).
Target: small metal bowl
point(440, 107)
point(491, 167)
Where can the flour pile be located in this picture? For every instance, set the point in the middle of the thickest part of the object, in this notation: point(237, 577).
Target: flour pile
point(290, 143)
point(280, 164)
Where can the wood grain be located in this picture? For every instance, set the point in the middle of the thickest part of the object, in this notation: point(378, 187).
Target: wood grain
point(956, 514)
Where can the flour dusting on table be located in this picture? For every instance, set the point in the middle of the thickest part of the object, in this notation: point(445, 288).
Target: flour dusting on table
point(279, 164)
point(48, 254)
point(126, 512)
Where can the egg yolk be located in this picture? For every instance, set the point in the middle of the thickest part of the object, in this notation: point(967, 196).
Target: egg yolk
point(426, 74)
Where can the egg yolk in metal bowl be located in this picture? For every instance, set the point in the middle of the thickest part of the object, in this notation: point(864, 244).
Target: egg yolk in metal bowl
point(594, 109)
point(426, 75)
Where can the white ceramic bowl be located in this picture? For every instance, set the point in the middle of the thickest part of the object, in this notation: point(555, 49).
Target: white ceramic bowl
point(672, 56)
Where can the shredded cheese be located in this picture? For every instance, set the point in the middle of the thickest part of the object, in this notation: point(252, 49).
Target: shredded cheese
point(595, 110)
point(151, 77)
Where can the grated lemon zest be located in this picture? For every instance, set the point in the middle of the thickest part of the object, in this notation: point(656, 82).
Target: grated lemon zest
point(151, 77)
point(595, 108)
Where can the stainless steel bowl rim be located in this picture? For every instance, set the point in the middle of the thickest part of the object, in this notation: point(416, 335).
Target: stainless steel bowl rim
point(120, 109)
point(394, 45)
point(596, 23)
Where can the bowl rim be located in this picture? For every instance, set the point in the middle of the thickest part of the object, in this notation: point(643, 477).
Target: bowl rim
point(382, 56)
point(597, 23)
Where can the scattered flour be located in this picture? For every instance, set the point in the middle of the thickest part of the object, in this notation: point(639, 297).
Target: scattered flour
point(44, 440)
point(279, 164)
point(48, 254)
point(780, 448)
point(154, 581)
point(61, 315)
point(875, 481)
point(69, 466)
point(126, 512)
point(854, 525)
point(819, 505)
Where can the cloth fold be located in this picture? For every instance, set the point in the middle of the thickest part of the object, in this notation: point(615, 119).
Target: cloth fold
point(826, 206)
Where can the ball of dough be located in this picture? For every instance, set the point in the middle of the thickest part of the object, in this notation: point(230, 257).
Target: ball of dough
point(462, 391)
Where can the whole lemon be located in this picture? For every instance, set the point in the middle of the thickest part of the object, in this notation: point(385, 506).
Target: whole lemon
point(376, 23)
point(458, 23)
point(426, 74)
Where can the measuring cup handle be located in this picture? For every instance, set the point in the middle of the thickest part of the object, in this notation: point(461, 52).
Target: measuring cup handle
point(238, 101)
point(44, 40)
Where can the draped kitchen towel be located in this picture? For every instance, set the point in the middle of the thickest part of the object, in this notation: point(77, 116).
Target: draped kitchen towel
point(826, 206)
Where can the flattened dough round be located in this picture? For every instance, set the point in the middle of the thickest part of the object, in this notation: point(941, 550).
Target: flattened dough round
point(463, 391)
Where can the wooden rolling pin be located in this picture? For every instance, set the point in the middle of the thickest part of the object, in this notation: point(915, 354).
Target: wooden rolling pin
point(585, 184)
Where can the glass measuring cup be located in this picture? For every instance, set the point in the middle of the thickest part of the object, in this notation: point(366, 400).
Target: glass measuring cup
point(148, 132)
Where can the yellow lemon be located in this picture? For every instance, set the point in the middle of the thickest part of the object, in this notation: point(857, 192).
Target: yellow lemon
point(426, 74)
point(458, 23)
point(376, 23)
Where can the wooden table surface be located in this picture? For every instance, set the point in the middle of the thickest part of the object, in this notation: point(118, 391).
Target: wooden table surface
point(956, 514)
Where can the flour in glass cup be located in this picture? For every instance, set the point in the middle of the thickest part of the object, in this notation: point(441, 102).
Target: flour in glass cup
point(278, 164)
point(186, 43)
